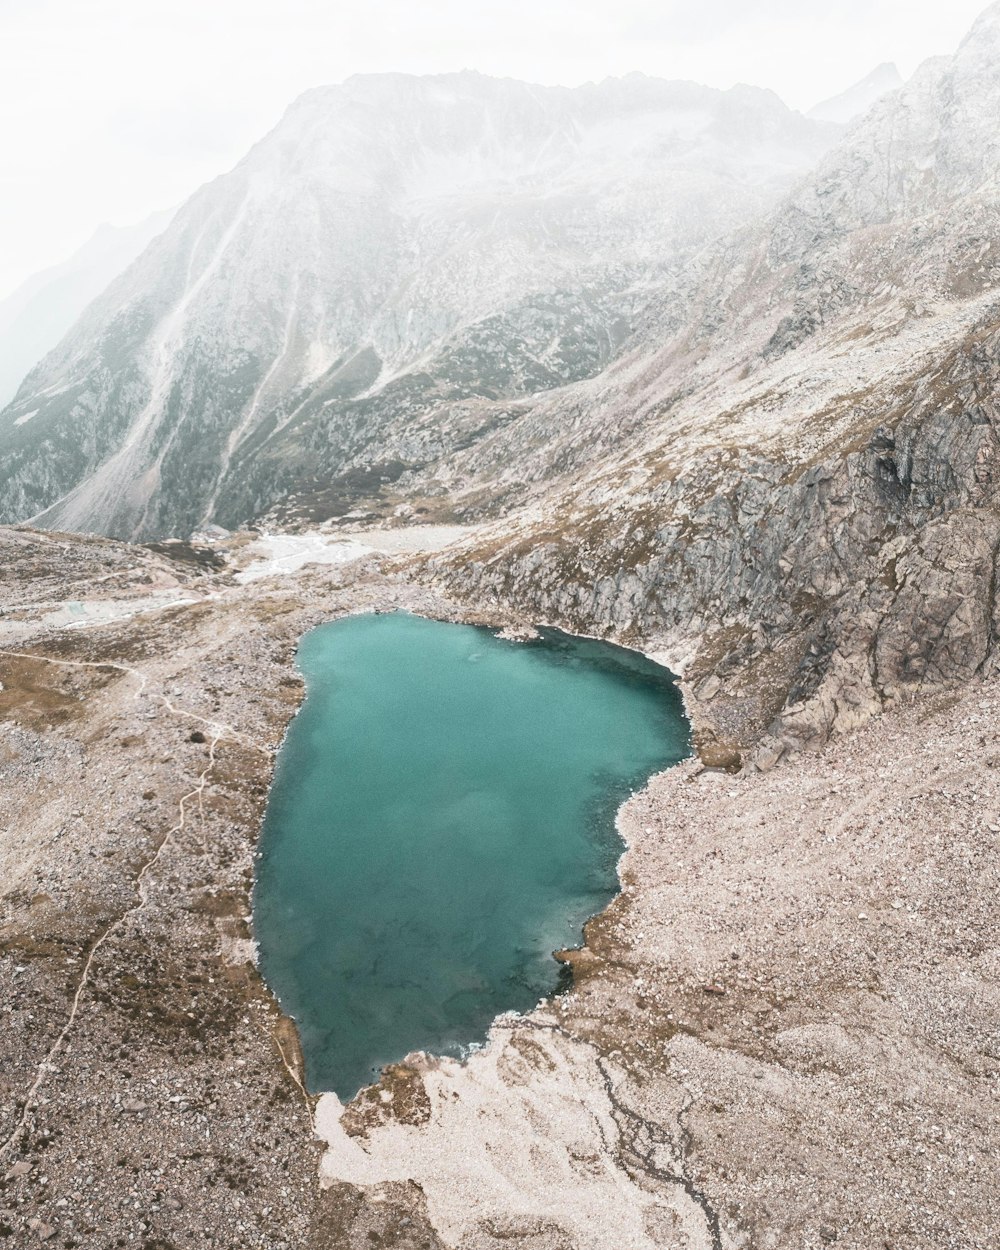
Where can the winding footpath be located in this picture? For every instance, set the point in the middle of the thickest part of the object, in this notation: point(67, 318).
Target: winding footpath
point(219, 731)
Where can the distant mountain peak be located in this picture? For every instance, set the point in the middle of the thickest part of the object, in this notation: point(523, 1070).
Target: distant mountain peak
point(857, 100)
point(35, 316)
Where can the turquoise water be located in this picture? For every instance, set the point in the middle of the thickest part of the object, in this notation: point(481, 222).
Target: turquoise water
point(441, 820)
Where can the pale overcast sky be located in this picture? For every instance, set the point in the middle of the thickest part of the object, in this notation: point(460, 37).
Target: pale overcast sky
point(112, 109)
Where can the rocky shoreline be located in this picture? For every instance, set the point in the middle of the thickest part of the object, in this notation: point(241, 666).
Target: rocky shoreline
point(780, 1033)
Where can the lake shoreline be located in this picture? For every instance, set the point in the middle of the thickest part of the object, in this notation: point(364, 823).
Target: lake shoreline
point(673, 1089)
point(464, 768)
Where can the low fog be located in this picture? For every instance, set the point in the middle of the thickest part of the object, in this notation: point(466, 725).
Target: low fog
point(112, 111)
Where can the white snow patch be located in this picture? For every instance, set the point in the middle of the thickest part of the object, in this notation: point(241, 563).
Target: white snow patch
point(287, 553)
point(281, 554)
point(414, 537)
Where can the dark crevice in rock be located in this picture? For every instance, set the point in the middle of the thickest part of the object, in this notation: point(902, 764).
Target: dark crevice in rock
point(640, 1140)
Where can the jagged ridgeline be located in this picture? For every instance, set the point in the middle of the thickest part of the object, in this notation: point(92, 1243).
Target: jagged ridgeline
point(399, 270)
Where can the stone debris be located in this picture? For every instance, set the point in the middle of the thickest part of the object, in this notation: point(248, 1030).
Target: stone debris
point(803, 1105)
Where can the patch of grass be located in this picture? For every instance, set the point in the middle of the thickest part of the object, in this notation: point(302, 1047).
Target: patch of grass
point(37, 694)
point(399, 1097)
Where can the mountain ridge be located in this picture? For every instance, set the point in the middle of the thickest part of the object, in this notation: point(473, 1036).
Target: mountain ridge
point(847, 106)
point(517, 268)
point(37, 315)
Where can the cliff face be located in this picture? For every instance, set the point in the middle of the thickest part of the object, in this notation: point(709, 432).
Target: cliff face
point(815, 592)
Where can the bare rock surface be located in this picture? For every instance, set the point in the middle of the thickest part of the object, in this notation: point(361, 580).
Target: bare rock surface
point(150, 1090)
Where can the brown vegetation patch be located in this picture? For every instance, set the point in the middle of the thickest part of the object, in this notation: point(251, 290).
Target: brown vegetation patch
point(286, 1038)
point(399, 1095)
point(38, 694)
point(203, 559)
point(530, 1050)
point(271, 608)
point(219, 904)
point(120, 643)
point(186, 1003)
point(394, 1214)
point(241, 770)
point(29, 946)
point(721, 755)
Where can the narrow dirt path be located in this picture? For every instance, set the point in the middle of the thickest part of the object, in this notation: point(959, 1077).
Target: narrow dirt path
point(219, 731)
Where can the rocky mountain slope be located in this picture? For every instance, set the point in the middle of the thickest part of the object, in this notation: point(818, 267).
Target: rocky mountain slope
point(790, 486)
point(384, 279)
point(36, 316)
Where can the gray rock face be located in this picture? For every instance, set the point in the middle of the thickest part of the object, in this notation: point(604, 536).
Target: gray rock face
point(812, 595)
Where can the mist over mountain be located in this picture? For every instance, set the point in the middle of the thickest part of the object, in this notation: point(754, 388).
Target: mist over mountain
point(399, 259)
point(36, 316)
point(858, 99)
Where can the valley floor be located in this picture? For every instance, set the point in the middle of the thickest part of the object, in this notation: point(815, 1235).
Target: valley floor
point(781, 1034)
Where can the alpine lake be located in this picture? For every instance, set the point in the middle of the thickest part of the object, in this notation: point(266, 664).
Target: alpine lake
point(442, 819)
